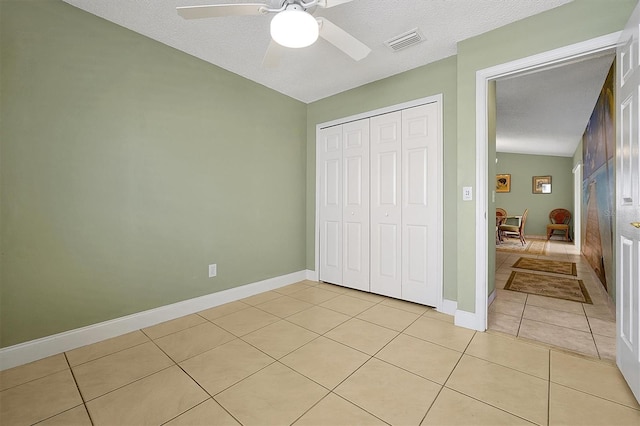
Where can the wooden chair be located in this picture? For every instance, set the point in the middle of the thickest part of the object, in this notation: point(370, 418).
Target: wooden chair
point(514, 230)
point(501, 217)
point(559, 219)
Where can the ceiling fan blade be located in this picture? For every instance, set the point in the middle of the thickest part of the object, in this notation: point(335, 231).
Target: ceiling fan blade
point(272, 55)
point(343, 40)
point(217, 10)
point(332, 3)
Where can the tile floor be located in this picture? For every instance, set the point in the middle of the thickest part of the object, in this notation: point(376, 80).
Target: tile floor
point(589, 329)
point(316, 354)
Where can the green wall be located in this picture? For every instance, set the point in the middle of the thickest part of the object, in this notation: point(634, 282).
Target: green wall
point(127, 167)
point(522, 169)
point(432, 79)
point(574, 22)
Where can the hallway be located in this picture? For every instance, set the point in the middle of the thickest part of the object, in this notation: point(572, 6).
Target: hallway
point(588, 329)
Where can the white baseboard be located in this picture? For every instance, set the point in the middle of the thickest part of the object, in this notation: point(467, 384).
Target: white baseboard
point(312, 275)
point(34, 350)
point(492, 297)
point(469, 320)
point(448, 307)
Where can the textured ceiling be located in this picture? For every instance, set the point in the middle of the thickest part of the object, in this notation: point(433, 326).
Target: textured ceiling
point(238, 43)
point(546, 112)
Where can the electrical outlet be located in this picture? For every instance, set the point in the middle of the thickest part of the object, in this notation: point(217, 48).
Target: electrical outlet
point(213, 270)
point(467, 193)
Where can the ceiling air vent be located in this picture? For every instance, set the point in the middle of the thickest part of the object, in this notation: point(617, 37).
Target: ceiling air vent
point(405, 40)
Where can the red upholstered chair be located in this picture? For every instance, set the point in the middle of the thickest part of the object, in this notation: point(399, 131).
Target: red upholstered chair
point(559, 219)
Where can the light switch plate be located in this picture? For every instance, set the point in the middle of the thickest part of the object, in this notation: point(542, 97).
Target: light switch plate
point(467, 193)
point(213, 270)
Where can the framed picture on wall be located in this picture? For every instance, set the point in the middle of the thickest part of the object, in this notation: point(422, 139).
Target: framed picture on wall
point(503, 183)
point(541, 185)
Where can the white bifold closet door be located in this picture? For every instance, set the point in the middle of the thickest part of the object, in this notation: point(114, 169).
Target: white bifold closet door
point(355, 213)
point(330, 209)
point(344, 209)
point(404, 204)
point(386, 209)
point(379, 204)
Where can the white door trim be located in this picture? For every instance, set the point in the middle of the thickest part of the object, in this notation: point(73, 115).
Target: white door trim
point(409, 104)
point(483, 76)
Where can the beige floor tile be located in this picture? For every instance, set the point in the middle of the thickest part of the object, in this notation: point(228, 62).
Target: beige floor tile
point(261, 298)
point(256, 401)
point(455, 409)
point(425, 359)
point(364, 295)
point(561, 318)
point(31, 371)
point(511, 296)
point(193, 341)
point(39, 399)
point(207, 413)
point(571, 407)
point(405, 306)
point(314, 295)
point(441, 333)
point(432, 313)
point(332, 287)
point(77, 416)
point(105, 374)
point(504, 323)
point(507, 308)
point(347, 305)
point(362, 335)
point(388, 317)
point(561, 337)
point(390, 393)
point(294, 288)
point(599, 311)
point(556, 304)
point(336, 411)
point(173, 326)
point(284, 306)
point(509, 352)
point(245, 321)
point(105, 347)
point(318, 319)
point(518, 393)
point(226, 365)
point(280, 338)
point(606, 346)
point(153, 400)
point(603, 328)
point(597, 378)
point(222, 310)
point(325, 361)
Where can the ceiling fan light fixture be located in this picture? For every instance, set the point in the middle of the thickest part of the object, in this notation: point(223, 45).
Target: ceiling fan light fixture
point(294, 28)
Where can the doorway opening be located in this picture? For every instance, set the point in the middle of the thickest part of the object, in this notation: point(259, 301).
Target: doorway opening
point(485, 79)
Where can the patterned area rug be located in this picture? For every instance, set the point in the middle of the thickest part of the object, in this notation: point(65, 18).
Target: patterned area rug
point(513, 245)
point(555, 266)
point(550, 286)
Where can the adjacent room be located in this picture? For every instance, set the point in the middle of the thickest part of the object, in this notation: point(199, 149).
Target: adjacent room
point(202, 223)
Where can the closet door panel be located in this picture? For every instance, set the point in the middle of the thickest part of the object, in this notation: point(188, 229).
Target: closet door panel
point(355, 213)
point(330, 208)
point(421, 253)
point(386, 208)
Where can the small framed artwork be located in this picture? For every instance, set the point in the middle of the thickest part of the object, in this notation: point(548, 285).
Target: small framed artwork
point(541, 185)
point(503, 183)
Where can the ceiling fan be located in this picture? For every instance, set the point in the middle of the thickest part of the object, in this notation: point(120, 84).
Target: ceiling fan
point(292, 26)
